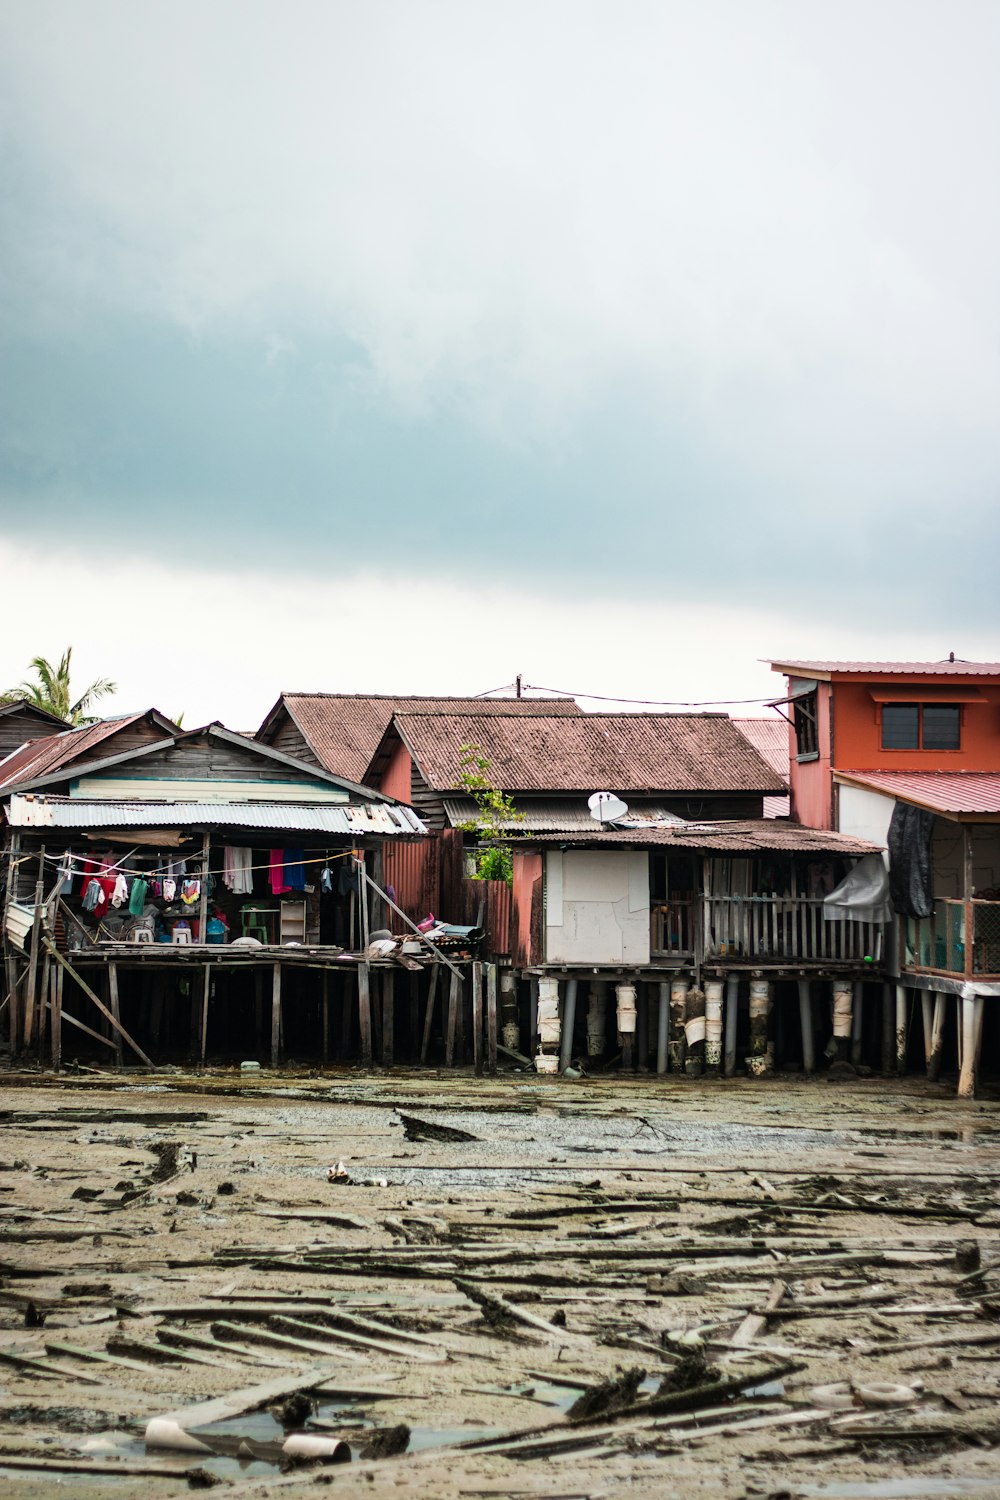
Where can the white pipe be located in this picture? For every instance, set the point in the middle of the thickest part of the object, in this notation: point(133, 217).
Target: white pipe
point(713, 1023)
point(967, 1031)
point(900, 1028)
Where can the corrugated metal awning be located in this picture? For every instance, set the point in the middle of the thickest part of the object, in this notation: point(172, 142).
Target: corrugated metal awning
point(386, 819)
point(550, 815)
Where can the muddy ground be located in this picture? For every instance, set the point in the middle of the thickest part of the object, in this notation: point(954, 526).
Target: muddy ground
point(175, 1239)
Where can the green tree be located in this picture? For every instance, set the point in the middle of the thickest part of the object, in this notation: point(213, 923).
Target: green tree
point(496, 812)
point(51, 690)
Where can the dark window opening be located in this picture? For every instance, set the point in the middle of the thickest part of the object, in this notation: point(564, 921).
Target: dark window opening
point(804, 718)
point(921, 726)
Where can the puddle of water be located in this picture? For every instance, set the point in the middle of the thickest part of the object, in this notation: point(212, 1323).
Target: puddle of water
point(898, 1489)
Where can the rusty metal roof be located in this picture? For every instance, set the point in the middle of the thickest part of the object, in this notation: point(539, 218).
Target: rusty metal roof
point(887, 668)
point(947, 792)
point(748, 836)
point(343, 730)
point(381, 819)
point(57, 750)
point(622, 753)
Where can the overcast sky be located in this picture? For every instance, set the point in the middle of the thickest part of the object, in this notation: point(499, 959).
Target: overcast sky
point(407, 346)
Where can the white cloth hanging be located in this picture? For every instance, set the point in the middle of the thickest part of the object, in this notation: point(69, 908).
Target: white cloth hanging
point(236, 871)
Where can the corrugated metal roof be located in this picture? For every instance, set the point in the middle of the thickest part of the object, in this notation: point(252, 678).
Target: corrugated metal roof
point(74, 812)
point(343, 730)
point(941, 791)
point(877, 668)
point(653, 753)
point(769, 737)
point(548, 815)
point(56, 750)
point(750, 836)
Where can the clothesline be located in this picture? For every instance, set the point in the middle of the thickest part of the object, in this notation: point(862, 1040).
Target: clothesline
point(77, 861)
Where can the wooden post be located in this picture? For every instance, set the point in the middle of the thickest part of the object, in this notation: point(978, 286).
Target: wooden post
point(477, 1018)
point(206, 990)
point(275, 1014)
point(346, 1016)
point(533, 1016)
point(491, 1019)
point(57, 996)
point(413, 1015)
point(568, 1024)
point(663, 1027)
point(30, 994)
point(13, 1002)
point(678, 1012)
point(888, 1016)
point(388, 1017)
point(857, 1019)
point(972, 1010)
point(64, 963)
point(901, 1028)
point(454, 1002)
point(732, 1020)
point(258, 1006)
point(325, 1008)
point(429, 1014)
point(365, 1012)
point(203, 900)
point(116, 1013)
point(937, 1036)
point(806, 1025)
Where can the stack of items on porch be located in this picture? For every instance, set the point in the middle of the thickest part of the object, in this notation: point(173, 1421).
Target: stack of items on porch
point(157, 897)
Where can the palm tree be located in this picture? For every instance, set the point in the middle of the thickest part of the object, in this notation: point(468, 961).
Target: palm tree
point(51, 691)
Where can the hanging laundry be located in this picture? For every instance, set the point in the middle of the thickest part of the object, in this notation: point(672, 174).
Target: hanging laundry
point(91, 896)
point(190, 891)
point(137, 897)
point(177, 868)
point(236, 870)
point(65, 884)
point(120, 893)
point(326, 880)
point(349, 883)
point(295, 870)
point(276, 861)
point(169, 889)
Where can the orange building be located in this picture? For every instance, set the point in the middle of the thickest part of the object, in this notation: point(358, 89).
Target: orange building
point(855, 716)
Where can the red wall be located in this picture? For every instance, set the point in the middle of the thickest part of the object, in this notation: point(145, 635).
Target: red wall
point(397, 780)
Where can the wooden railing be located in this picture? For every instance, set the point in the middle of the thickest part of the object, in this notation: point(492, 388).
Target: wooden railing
point(780, 927)
point(671, 933)
point(960, 938)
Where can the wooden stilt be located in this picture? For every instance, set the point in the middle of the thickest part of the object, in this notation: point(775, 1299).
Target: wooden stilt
point(346, 1016)
point(258, 1008)
point(14, 1004)
point(477, 1018)
point(937, 1036)
point(732, 1019)
point(325, 1009)
point(413, 1015)
point(491, 1019)
point(900, 1029)
point(806, 1026)
point(118, 1028)
point(275, 1014)
point(662, 1026)
point(533, 1015)
point(568, 1023)
point(971, 1023)
point(857, 1020)
point(429, 1014)
point(206, 990)
point(365, 1013)
point(57, 997)
point(388, 1017)
point(31, 987)
point(454, 1004)
point(115, 1007)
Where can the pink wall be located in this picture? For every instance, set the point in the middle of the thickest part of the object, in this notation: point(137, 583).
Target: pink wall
point(812, 782)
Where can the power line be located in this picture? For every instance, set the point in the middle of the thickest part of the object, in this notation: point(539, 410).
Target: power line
point(651, 702)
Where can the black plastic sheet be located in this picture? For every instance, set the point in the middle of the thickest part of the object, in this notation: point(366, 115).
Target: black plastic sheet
point(911, 874)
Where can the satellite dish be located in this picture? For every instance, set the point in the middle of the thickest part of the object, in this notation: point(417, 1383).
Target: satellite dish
point(606, 807)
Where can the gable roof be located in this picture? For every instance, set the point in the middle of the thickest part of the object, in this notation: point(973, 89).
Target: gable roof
point(43, 756)
point(23, 705)
point(216, 731)
point(659, 753)
point(343, 730)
